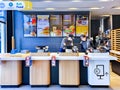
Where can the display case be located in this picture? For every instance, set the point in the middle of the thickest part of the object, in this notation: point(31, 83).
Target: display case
point(30, 26)
point(43, 26)
point(56, 25)
point(82, 25)
point(68, 24)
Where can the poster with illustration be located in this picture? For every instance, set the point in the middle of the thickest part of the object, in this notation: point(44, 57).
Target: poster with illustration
point(43, 26)
point(82, 25)
point(56, 25)
point(30, 26)
point(68, 24)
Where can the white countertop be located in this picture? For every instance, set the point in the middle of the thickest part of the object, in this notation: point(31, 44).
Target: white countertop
point(101, 56)
point(92, 56)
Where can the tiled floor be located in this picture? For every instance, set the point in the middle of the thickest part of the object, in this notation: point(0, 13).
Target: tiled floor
point(115, 85)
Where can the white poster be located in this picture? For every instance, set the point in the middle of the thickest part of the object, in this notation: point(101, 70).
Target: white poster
point(43, 25)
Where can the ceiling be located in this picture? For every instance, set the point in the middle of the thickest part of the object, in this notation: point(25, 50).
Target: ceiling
point(106, 7)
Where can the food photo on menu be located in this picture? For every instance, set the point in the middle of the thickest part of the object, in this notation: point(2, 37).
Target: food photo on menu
point(43, 26)
point(82, 25)
point(69, 30)
point(30, 26)
point(56, 31)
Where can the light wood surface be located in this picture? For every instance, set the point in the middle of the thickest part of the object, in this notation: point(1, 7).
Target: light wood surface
point(40, 72)
point(69, 72)
point(115, 42)
point(11, 72)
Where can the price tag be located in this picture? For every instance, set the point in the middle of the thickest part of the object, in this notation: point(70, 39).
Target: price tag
point(53, 62)
point(86, 61)
point(28, 61)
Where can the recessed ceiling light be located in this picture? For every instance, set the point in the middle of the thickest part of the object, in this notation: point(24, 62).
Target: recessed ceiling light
point(94, 8)
point(72, 8)
point(116, 7)
point(48, 1)
point(105, 0)
point(106, 15)
point(50, 8)
point(91, 0)
point(76, 1)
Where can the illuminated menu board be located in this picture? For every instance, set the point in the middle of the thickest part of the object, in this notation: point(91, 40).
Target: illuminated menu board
point(68, 24)
point(81, 25)
point(30, 26)
point(43, 26)
point(56, 25)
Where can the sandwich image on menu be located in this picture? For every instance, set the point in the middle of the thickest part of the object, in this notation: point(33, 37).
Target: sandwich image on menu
point(56, 31)
point(43, 25)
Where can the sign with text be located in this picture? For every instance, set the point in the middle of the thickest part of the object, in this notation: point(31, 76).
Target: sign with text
point(15, 5)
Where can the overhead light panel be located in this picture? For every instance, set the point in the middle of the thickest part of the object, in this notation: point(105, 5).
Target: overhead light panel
point(50, 8)
point(76, 1)
point(48, 1)
point(72, 8)
point(95, 8)
point(105, 0)
point(116, 7)
point(91, 0)
point(106, 15)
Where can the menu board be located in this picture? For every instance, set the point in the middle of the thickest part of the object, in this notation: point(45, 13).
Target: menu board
point(43, 26)
point(82, 25)
point(56, 25)
point(68, 25)
point(30, 26)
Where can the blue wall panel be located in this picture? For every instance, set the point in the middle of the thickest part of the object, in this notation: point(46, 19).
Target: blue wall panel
point(30, 43)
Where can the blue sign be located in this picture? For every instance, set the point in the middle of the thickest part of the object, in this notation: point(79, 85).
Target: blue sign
point(2, 5)
point(19, 5)
point(10, 4)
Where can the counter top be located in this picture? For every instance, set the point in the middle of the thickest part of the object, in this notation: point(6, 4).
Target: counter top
point(101, 56)
point(92, 56)
point(116, 52)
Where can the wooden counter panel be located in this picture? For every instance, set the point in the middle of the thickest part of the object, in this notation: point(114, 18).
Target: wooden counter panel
point(69, 72)
point(40, 72)
point(11, 73)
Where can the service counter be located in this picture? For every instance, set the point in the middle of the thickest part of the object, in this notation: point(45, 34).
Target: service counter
point(69, 73)
point(11, 69)
point(99, 69)
point(69, 69)
point(116, 63)
point(40, 69)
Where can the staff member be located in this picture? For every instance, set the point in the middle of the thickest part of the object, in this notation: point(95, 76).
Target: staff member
point(66, 42)
point(86, 44)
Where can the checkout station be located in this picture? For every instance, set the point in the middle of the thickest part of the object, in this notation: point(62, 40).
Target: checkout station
point(98, 65)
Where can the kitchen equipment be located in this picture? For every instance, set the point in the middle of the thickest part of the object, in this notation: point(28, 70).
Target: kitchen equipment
point(42, 48)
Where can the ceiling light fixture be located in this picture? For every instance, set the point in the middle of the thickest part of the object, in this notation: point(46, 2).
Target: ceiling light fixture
point(106, 15)
point(76, 1)
point(72, 8)
point(105, 0)
point(95, 8)
point(48, 1)
point(116, 7)
point(92, 0)
point(50, 8)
